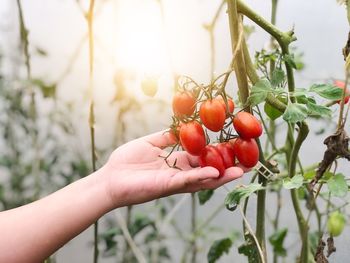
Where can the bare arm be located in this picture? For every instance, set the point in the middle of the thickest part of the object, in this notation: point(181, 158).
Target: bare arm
point(134, 174)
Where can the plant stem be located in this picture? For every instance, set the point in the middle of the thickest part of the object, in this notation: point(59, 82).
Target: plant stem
point(193, 228)
point(283, 38)
point(261, 207)
point(235, 21)
point(32, 110)
point(303, 226)
point(90, 18)
point(127, 223)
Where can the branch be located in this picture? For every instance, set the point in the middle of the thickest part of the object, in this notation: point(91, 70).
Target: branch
point(137, 252)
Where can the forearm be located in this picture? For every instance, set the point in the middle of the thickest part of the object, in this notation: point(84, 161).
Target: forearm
point(33, 232)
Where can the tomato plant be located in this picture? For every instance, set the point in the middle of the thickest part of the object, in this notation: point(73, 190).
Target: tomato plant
point(211, 156)
point(230, 105)
point(227, 153)
point(246, 125)
point(192, 137)
point(184, 103)
point(246, 152)
point(213, 114)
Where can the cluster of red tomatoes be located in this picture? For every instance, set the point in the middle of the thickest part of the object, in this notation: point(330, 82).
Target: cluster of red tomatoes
point(216, 114)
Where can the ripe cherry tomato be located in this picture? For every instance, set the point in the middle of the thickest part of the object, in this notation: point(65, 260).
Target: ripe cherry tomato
point(246, 152)
point(211, 156)
point(246, 125)
point(230, 104)
point(184, 104)
point(341, 84)
point(212, 114)
point(192, 137)
point(227, 153)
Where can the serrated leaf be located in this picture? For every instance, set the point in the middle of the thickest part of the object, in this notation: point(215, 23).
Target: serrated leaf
point(293, 183)
point(218, 248)
point(242, 192)
point(205, 195)
point(259, 92)
point(272, 112)
point(277, 78)
point(295, 112)
point(277, 240)
point(318, 109)
point(327, 91)
point(337, 185)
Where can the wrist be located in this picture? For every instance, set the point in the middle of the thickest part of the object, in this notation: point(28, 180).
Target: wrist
point(102, 180)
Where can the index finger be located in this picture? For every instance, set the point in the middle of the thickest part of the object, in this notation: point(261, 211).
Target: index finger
point(161, 139)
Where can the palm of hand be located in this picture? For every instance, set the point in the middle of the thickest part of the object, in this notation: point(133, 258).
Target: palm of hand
point(140, 173)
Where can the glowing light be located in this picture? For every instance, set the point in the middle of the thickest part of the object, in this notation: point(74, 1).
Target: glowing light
point(140, 42)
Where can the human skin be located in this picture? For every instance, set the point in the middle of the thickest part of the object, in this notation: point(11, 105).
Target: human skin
point(135, 173)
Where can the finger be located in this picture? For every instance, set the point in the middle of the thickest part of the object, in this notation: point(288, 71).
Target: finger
point(245, 169)
point(193, 160)
point(188, 179)
point(230, 174)
point(160, 139)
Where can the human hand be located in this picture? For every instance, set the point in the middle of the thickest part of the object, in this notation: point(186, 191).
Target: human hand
point(137, 172)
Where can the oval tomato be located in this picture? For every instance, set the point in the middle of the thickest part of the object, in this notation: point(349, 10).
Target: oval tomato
point(227, 153)
point(192, 137)
point(184, 104)
point(246, 125)
point(211, 156)
point(341, 84)
point(212, 114)
point(230, 104)
point(246, 152)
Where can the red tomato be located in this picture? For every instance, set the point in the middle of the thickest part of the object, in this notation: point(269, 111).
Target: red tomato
point(212, 114)
point(341, 84)
point(230, 104)
point(246, 125)
point(227, 153)
point(211, 156)
point(192, 137)
point(184, 104)
point(246, 152)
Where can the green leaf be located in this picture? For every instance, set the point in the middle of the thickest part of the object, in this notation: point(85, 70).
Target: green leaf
point(295, 112)
point(241, 192)
point(310, 175)
point(272, 112)
point(337, 185)
point(327, 91)
point(205, 195)
point(292, 183)
point(277, 77)
point(318, 110)
point(250, 250)
point(218, 248)
point(259, 91)
point(277, 240)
